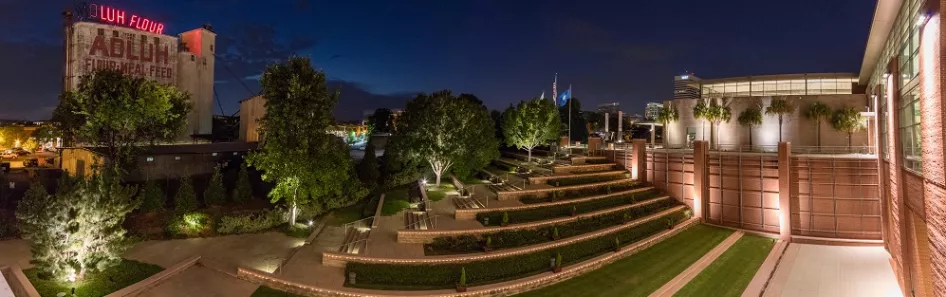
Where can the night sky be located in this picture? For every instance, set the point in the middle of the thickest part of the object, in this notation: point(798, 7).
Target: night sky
point(381, 53)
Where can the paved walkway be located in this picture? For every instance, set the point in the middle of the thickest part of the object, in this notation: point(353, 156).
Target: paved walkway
point(263, 251)
point(818, 270)
point(201, 281)
point(691, 272)
point(15, 251)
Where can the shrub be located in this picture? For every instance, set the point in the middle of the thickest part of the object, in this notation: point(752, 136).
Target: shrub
point(518, 238)
point(254, 222)
point(152, 198)
point(446, 244)
point(215, 192)
point(431, 276)
point(583, 192)
point(243, 191)
point(190, 225)
point(505, 218)
point(463, 277)
point(584, 180)
point(561, 210)
point(185, 200)
point(558, 259)
point(555, 233)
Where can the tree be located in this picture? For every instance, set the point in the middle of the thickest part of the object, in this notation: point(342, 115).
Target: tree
point(445, 131)
point(383, 120)
point(818, 111)
point(215, 193)
point(667, 115)
point(151, 196)
point(119, 112)
point(79, 229)
point(46, 133)
point(530, 124)
point(578, 123)
point(30, 144)
point(368, 168)
point(751, 117)
point(780, 107)
point(307, 165)
point(243, 191)
point(847, 120)
point(699, 113)
point(716, 112)
point(497, 117)
point(185, 200)
point(9, 135)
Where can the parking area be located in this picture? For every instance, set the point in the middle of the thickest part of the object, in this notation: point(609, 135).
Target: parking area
point(820, 271)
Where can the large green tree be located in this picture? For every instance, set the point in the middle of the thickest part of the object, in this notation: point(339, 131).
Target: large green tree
point(750, 117)
point(119, 112)
point(668, 114)
point(79, 229)
point(530, 124)
point(847, 120)
point(818, 112)
point(780, 108)
point(383, 120)
point(445, 131)
point(307, 165)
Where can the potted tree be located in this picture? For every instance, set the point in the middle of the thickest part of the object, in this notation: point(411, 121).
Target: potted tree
point(488, 244)
point(461, 286)
point(627, 217)
point(574, 211)
point(558, 263)
point(555, 235)
point(617, 245)
point(669, 223)
point(505, 219)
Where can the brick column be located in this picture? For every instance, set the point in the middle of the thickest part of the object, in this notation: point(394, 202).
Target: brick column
point(785, 190)
point(638, 160)
point(700, 148)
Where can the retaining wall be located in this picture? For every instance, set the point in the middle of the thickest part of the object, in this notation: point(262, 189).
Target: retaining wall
point(470, 213)
point(154, 280)
point(427, 236)
point(544, 179)
point(510, 195)
point(581, 168)
point(19, 284)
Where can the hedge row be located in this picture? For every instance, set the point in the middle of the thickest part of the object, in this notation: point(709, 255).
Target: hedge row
point(438, 276)
point(517, 238)
point(554, 211)
point(581, 193)
point(584, 180)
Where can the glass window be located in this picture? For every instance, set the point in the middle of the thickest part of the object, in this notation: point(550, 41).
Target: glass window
point(814, 86)
point(882, 119)
point(910, 131)
point(756, 87)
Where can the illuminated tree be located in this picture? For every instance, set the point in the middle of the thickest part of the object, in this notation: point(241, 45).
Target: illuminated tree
point(30, 144)
point(751, 117)
point(10, 134)
point(79, 229)
point(444, 132)
point(215, 193)
point(120, 113)
point(699, 113)
point(780, 107)
point(847, 120)
point(530, 124)
point(668, 114)
point(307, 165)
point(818, 112)
point(717, 112)
point(46, 133)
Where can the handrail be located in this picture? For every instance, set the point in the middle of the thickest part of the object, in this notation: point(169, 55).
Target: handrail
point(429, 218)
point(367, 242)
point(351, 224)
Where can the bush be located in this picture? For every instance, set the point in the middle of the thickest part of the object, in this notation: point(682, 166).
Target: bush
point(249, 223)
point(215, 194)
point(192, 224)
point(584, 180)
point(462, 277)
point(555, 211)
point(185, 200)
point(583, 192)
point(243, 191)
point(152, 198)
point(518, 238)
point(434, 276)
point(451, 243)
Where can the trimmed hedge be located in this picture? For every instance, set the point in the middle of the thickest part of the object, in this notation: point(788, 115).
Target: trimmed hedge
point(584, 180)
point(581, 193)
point(517, 238)
point(441, 276)
point(554, 211)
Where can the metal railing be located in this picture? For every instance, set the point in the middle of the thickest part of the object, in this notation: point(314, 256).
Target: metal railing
point(362, 223)
point(429, 220)
point(345, 247)
point(834, 150)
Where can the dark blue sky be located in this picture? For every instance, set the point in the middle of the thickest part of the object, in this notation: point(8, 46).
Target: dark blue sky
point(382, 52)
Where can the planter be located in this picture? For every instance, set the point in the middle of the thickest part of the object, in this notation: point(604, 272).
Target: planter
point(461, 288)
point(486, 249)
point(557, 269)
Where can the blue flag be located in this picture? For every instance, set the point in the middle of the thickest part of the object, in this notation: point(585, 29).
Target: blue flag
point(565, 96)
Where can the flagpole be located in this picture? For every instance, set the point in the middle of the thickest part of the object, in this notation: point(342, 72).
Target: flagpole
point(570, 113)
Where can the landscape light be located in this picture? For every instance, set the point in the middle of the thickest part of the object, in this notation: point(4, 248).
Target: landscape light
point(310, 223)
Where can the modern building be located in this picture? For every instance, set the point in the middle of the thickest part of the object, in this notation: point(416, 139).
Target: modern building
point(836, 90)
point(686, 86)
point(903, 73)
point(609, 108)
point(652, 110)
point(251, 110)
point(108, 37)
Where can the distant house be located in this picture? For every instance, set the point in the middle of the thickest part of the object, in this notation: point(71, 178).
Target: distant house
point(162, 161)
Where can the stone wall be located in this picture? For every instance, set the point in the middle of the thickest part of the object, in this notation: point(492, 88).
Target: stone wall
point(581, 168)
point(470, 213)
point(545, 178)
point(510, 195)
point(427, 236)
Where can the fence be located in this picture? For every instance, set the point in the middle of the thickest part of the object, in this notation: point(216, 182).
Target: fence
point(743, 190)
point(835, 197)
point(671, 170)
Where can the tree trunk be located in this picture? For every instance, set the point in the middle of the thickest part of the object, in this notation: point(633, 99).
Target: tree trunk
point(530, 155)
point(750, 138)
point(818, 133)
point(292, 208)
point(849, 134)
point(712, 135)
point(438, 178)
point(779, 128)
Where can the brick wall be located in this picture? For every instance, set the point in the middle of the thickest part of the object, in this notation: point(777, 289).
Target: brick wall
point(836, 197)
point(743, 191)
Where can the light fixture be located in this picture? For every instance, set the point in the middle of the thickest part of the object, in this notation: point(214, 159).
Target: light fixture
point(921, 19)
point(886, 74)
point(310, 223)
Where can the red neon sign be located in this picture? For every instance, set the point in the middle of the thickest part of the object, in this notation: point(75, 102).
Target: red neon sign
point(118, 17)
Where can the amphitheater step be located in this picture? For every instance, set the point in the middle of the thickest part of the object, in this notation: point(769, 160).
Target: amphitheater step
point(467, 203)
point(416, 220)
point(355, 241)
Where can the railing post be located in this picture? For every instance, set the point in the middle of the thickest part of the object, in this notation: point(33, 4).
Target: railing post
point(699, 179)
point(784, 190)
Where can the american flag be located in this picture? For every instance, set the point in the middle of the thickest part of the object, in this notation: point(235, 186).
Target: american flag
point(554, 88)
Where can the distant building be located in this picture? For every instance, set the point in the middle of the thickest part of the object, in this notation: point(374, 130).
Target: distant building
point(251, 110)
point(610, 108)
point(686, 86)
point(652, 109)
point(162, 161)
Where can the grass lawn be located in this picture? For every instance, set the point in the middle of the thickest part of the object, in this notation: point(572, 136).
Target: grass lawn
point(347, 214)
point(395, 200)
point(644, 272)
point(265, 291)
point(732, 271)
point(435, 193)
point(124, 274)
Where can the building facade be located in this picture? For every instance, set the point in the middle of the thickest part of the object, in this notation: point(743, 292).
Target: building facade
point(609, 108)
point(652, 110)
point(686, 86)
point(903, 73)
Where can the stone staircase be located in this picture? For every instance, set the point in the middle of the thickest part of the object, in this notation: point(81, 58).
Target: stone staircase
point(416, 220)
point(355, 241)
point(467, 203)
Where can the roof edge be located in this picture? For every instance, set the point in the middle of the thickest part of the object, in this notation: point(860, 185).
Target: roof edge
point(884, 17)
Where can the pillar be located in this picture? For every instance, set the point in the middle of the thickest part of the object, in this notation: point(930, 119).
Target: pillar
point(639, 160)
point(653, 133)
point(620, 136)
point(606, 131)
point(785, 190)
point(699, 178)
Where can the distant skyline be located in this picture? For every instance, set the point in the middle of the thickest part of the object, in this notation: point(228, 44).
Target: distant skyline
point(381, 53)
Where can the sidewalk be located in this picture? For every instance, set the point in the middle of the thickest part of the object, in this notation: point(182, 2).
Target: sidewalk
point(674, 285)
